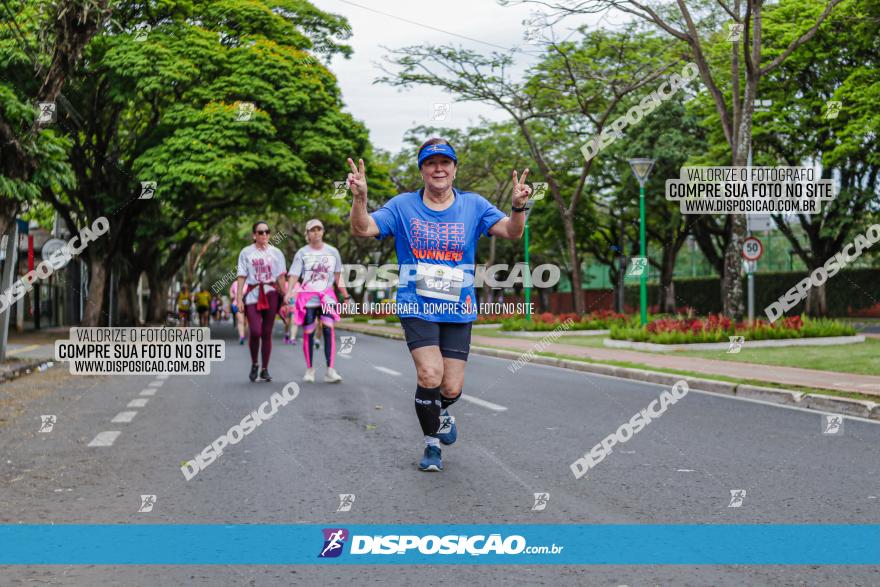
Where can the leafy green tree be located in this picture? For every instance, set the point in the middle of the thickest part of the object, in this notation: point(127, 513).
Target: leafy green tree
point(567, 98)
point(173, 108)
point(804, 125)
point(669, 136)
point(731, 82)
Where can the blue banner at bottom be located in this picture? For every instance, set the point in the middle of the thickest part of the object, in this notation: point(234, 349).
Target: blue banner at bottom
point(563, 544)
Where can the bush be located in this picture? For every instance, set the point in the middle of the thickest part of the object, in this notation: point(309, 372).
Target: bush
point(704, 293)
point(719, 329)
point(600, 320)
point(494, 318)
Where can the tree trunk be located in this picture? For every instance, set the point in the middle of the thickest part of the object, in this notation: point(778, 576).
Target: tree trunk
point(127, 301)
point(95, 312)
point(817, 301)
point(666, 292)
point(157, 308)
point(577, 293)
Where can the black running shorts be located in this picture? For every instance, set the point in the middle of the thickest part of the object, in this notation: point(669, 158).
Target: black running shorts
point(453, 338)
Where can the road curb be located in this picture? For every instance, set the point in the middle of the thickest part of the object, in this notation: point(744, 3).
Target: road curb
point(770, 394)
point(839, 405)
point(24, 369)
point(812, 401)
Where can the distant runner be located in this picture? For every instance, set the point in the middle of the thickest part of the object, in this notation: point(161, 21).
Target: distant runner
point(203, 306)
point(261, 278)
point(320, 266)
point(237, 311)
point(184, 305)
point(436, 230)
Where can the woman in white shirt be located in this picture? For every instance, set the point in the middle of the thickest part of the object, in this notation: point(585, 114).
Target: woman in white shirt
point(261, 281)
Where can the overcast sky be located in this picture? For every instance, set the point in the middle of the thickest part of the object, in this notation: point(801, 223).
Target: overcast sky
point(387, 111)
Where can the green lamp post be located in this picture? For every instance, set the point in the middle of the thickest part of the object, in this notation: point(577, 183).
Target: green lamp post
point(641, 168)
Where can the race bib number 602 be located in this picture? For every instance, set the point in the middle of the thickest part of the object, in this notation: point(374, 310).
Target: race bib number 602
point(439, 282)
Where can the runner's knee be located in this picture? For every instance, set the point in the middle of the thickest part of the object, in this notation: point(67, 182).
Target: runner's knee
point(450, 390)
point(430, 375)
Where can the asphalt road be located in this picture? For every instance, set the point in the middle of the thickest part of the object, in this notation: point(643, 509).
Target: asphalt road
point(518, 434)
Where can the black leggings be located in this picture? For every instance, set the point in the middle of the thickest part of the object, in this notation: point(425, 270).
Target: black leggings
point(309, 328)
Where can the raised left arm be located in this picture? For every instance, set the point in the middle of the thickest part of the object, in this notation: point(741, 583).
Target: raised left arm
point(511, 227)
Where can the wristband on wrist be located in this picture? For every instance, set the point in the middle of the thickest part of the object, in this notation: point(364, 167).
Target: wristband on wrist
point(523, 209)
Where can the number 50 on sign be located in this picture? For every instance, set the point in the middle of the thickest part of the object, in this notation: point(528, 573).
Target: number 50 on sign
point(752, 249)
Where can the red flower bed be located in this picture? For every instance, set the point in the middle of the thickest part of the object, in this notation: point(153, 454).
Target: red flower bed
point(716, 322)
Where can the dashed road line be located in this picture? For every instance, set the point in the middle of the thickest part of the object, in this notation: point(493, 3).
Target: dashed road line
point(483, 403)
point(106, 438)
point(137, 402)
point(159, 383)
point(387, 370)
point(148, 391)
point(162, 376)
point(124, 417)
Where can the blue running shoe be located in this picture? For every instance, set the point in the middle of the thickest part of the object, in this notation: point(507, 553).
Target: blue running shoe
point(431, 461)
point(448, 432)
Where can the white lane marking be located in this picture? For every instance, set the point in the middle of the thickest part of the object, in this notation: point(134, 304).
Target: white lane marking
point(159, 383)
point(124, 417)
point(149, 391)
point(137, 402)
point(162, 376)
point(343, 356)
point(684, 470)
point(697, 391)
point(105, 438)
point(387, 370)
point(483, 403)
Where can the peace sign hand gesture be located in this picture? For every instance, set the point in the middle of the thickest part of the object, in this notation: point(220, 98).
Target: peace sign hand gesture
point(521, 191)
point(357, 180)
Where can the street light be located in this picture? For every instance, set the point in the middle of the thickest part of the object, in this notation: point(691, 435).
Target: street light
point(641, 168)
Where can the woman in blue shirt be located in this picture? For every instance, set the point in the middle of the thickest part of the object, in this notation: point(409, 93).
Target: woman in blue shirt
point(436, 230)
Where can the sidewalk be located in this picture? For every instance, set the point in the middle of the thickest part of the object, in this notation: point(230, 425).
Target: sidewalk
point(864, 384)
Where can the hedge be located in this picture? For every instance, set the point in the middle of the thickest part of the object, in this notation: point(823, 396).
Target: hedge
point(850, 290)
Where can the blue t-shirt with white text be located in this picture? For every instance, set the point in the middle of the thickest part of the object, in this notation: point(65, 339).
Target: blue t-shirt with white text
point(434, 249)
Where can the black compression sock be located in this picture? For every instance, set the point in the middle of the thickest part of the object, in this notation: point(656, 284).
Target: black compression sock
point(428, 409)
point(445, 402)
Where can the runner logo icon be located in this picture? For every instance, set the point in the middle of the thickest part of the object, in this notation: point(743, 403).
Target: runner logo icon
point(541, 500)
point(346, 500)
point(637, 266)
point(736, 343)
point(47, 423)
point(736, 498)
point(832, 424)
point(334, 540)
point(147, 503)
point(347, 343)
point(446, 423)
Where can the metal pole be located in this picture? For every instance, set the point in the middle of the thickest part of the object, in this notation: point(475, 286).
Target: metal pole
point(621, 275)
point(9, 271)
point(751, 297)
point(643, 280)
point(529, 272)
point(749, 265)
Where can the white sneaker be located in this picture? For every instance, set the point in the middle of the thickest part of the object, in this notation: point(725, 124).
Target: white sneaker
point(309, 377)
point(331, 376)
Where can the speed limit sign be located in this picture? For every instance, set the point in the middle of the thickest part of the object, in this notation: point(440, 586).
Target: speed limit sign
point(752, 249)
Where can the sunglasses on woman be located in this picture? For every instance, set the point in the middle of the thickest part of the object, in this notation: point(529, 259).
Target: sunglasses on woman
point(263, 232)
